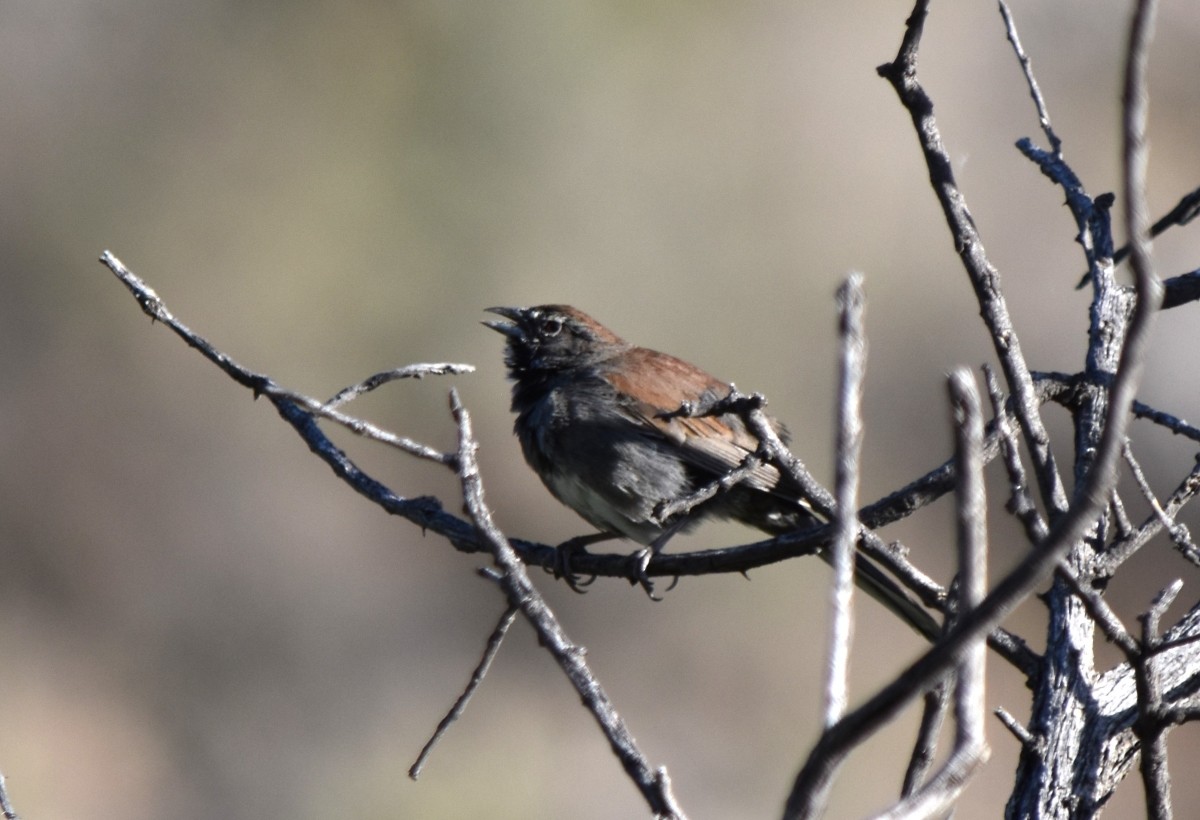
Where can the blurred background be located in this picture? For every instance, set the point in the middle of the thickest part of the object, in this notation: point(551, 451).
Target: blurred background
point(197, 619)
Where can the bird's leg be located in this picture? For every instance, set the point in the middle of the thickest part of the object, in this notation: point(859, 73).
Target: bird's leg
point(637, 571)
point(569, 549)
point(640, 560)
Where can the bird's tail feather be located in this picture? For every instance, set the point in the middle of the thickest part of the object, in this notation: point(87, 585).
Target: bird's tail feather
point(876, 583)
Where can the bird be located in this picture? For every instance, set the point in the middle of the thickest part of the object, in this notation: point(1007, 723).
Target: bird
point(613, 432)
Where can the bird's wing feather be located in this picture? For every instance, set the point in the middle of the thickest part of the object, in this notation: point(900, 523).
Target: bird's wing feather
point(715, 444)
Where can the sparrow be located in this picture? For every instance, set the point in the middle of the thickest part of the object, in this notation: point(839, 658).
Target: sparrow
point(605, 425)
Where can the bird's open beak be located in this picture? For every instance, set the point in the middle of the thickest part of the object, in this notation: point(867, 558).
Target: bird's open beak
point(512, 328)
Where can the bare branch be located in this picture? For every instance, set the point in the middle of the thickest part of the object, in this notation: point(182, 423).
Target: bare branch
point(1091, 216)
point(970, 746)
point(1176, 425)
point(1020, 504)
point(1178, 532)
point(460, 705)
point(1184, 212)
point(664, 511)
point(1068, 387)
point(933, 715)
point(1102, 614)
point(1125, 547)
point(985, 279)
point(1018, 731)
point(1181, 289)
point(870, 577)
point(937, 482)
point(972, 558)
point(156, 309)
point(1039, 102)
point(814, 779)
point(5, 806)
point(1119, 516)
point(851, 302)
point(427, 512)
point(412, 371)
point(1135, 156)
point(1150, 728)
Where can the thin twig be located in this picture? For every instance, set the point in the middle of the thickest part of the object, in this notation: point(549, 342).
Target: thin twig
point(1039, 101)
point(933, 715)
point(1124, 548)
point(1134, 154)
point(1020, 504)
point(1176, 425)
point(1181, 289)
point(1178, 532)
point(750, 407)
point(1090, 215)
point(9, 813)
point(412, 371)
point(460, 705)
point(970, 746)
point(852, 347)
point(665, 511)
point(156, 309)
point(1120, 517)
point(940, 480)
point(1014, 726)
point(1150, 728)
point(1184, 212)
point(1102, 614)
point(972, 556)
point(878, 584)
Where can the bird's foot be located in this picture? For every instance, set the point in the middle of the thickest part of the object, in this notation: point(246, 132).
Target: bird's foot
point(639, 561)
point(567, 551)
point(637, 571)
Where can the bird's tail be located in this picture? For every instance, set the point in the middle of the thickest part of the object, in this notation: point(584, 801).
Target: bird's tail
point(771, 515)
point(880, 586)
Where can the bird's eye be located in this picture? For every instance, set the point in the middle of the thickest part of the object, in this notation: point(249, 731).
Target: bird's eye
point(551, 326)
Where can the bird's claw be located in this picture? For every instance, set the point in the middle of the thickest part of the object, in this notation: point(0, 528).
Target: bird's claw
point(638, 562)
point(563, 555)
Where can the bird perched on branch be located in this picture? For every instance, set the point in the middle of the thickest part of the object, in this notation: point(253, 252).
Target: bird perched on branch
point(618, 433)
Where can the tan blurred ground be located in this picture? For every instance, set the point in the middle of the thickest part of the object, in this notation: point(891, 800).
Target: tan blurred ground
point(197, 620)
